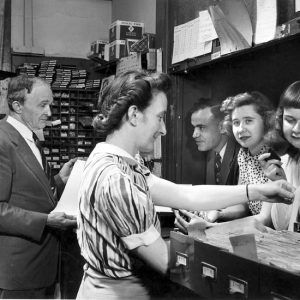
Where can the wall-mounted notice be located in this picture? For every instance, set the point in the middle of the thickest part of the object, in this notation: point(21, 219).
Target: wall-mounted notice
point(297, 5)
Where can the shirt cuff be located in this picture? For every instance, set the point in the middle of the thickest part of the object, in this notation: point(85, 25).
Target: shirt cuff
point(141, 239)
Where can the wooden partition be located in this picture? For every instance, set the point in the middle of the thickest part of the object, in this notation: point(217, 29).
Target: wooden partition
point(268, 68)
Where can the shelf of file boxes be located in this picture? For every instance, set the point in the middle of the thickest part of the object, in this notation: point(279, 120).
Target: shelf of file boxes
point(70, 133)
point(208, 60)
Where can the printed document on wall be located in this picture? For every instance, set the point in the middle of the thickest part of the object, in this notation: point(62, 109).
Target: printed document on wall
point(265, 20)
point(189, 43)
point(297, 5)
point(178, 44)
point(207, 30)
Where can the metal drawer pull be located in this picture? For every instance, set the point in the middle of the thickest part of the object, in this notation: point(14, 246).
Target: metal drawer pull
point(208, 271)
point(238, 286)
point(276, 296)
point(182, 259)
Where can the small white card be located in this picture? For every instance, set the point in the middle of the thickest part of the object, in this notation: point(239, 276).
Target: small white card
point(244, 245)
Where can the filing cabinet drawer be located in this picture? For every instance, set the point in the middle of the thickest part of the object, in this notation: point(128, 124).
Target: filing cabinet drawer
point(239, 276)
point(208, 267)
point(279, 284)
point(182, 265)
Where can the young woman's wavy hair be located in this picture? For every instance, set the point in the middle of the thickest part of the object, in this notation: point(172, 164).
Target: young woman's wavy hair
point(132, 88)
point(290, 98)
point(261, 103)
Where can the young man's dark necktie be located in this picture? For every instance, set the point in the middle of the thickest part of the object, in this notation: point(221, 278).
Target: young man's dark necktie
point(218, 162)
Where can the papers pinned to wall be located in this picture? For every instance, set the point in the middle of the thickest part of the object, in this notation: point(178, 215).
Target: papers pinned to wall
point(297, 5)
point(193, 38)
point(234, 29)
point(264, 20)
point(206, 27)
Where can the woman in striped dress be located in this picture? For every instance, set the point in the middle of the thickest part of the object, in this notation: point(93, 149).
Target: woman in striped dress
point(118, 228)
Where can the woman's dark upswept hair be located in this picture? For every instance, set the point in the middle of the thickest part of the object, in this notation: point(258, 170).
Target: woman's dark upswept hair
point(262, 105)
point(290, 98)
point(132, 88)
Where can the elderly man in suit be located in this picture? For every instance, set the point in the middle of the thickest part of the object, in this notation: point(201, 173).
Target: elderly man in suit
point(28, 230)
point(222, 150)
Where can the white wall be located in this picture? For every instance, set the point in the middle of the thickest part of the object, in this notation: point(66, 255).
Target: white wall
point(63, 27)
point(136, 10)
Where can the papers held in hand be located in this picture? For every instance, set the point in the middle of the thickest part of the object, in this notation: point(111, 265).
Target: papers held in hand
point(69, 201)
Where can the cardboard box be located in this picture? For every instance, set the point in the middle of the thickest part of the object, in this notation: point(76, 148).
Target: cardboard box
point(97, 47)
point(117, 49)
point(122, 30)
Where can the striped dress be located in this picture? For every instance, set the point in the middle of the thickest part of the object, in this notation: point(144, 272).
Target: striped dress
point(116, 211)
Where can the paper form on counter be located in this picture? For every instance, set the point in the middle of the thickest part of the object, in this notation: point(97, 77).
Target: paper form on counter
point(69, 201)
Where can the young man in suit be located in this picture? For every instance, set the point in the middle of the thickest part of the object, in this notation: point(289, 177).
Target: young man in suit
point(222, 150)
point(28, 230)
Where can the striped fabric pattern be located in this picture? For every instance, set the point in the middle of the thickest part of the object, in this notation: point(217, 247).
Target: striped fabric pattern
point(114, 203)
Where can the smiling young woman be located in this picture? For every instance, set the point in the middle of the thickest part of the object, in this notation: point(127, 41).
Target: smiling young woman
point(250, 116)
point(286, 139)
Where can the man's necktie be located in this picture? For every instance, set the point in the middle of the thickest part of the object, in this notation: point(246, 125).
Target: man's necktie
point(218, 163)
point(46, 167)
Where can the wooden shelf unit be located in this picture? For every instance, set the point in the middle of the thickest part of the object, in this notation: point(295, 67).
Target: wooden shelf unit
point(74, 137)
point(197, 63)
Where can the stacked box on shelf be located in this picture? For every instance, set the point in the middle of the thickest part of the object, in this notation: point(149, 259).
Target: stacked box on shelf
point(119, 33)
point(78, 79)
point(98, 48)
point(62, 78)
point(47, 70)
point(117, 49)
point(93, 84)
point(30, 69)
point(122, 30)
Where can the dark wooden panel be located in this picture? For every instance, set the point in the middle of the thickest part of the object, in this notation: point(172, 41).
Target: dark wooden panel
point(268, 68)
point(191, 160)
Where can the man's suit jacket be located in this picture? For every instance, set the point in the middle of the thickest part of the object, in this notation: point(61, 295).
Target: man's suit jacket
point(28, 249)
point(229, 166)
